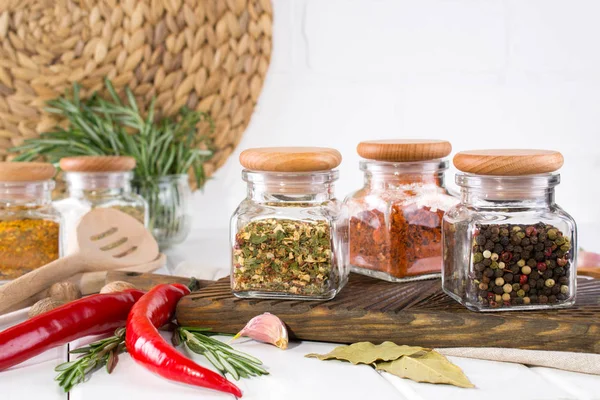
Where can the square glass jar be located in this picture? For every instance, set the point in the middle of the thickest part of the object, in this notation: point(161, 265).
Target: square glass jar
point(508, 245)
point(287, 236)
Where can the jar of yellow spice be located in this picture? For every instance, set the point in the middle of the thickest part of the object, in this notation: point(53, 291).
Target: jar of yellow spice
point(97, 181)
point(29, 225)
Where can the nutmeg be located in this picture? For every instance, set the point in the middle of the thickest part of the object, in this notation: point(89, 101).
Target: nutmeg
point(116, 286)
point(44, 305)
point(64, 291)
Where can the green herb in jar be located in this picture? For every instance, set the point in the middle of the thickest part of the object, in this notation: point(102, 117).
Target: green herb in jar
point(283, 255)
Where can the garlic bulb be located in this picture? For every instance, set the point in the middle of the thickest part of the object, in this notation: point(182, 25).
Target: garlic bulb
point(266, 328)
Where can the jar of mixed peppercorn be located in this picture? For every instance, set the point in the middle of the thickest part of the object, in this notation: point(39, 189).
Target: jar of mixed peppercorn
point(29, 225)
point(287, 236)
point(395, 219)
point(97, 181)
point(508, 245)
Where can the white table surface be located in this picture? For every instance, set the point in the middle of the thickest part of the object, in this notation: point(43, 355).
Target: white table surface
point(292, 376)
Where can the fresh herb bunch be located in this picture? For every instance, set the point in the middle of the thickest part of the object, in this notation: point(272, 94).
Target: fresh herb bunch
point(105, 352)
point(93, 357)
point(224, 357)
point(98, 126)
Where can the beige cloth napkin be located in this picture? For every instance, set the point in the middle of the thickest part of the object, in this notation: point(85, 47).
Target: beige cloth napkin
point(568, 361)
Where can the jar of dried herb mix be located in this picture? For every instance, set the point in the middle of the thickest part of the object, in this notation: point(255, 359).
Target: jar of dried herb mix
point(395, 219)
point(97, 181)
point(287, 235)
point(30, 227)
point(508, 245)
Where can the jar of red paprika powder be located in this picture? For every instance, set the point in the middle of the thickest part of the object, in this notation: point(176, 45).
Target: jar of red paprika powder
point(395, 219)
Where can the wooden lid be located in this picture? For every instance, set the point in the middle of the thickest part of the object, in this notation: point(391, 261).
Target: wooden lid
point(402, 150)
point(290, 159)
point(26, 171)
point(508, 162)
point(97, 164)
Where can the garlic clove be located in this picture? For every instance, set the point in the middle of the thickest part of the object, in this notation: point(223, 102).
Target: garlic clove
point(266, 328)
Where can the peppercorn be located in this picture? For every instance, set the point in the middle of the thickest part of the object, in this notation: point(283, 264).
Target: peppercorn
point(525, 287)
point(498, 298)
point(507, 288)
point(483, 286)
point(534, 275)
point(499, 281)
point(508, 277)
point(543, 299)
point(552, 299)
point(526, 270)
point(531, 262)
point(501, 265)
point(498, 290)
point(506, 297)
point(516, 286)
point(563, 280)
point(494, 257)
point(552, 234)
point(547, 274)
point(540, 284)
point(489, 245)
point(564, 289)
point(498, 273)
point(477, 257)
point(561, 262)
point(521, 293)
point(542, 267)
point(546, 291)
point(514, 269)
point(487, 262)
point(525, 242)
point(526, 300)
point(498, 248)
point(555, 289)
point(521, 263)
point(485, 279)
point(488, 272)
point(494, 265)
point(487, 254)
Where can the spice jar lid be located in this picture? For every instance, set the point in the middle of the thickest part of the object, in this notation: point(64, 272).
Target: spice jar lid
point(26, 171)
point(97, 164)
point(402, 150)
point(290, 159)
point(508, 162)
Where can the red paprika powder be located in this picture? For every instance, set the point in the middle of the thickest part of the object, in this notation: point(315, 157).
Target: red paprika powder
point(395, 219)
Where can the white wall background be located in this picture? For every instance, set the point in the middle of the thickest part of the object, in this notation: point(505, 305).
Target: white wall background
point(480, 73)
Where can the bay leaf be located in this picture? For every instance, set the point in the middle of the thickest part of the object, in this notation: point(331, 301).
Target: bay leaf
point(368, 353)
point(430, 367)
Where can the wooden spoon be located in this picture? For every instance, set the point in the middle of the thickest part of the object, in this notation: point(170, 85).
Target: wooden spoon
point(91, 282)
point(108, 239)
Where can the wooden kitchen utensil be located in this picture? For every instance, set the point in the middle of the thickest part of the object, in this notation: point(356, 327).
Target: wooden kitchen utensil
point(108, 239)
point(91, 282)
point(412, 313)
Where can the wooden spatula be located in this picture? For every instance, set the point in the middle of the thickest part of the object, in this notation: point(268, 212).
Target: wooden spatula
point(108, 239)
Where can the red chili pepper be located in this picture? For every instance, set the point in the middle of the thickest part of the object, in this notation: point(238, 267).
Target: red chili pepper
point(92, 315)
point(147, 347)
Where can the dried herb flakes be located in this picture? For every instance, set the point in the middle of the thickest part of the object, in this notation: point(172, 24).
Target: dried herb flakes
point(283, 255)
point(415, 363)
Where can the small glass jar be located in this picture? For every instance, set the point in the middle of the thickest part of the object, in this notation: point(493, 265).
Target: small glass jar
point(169, 200)
point(30, 228)
point(97, 181)
point(508, 245)
point(395, 219)
point(287, 236)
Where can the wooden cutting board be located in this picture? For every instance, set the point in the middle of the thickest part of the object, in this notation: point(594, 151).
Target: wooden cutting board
point(415, 313)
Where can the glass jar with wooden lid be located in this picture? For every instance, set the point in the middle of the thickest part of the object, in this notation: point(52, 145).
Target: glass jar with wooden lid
point(287, 235)
point(97, 181)
point(508, 245)
point(395, 219)
point(30, 228)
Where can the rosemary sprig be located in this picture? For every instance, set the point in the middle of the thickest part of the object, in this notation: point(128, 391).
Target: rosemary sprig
point(222, 356)
point(110, 126)
point(93, 357)
point(105, 352)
